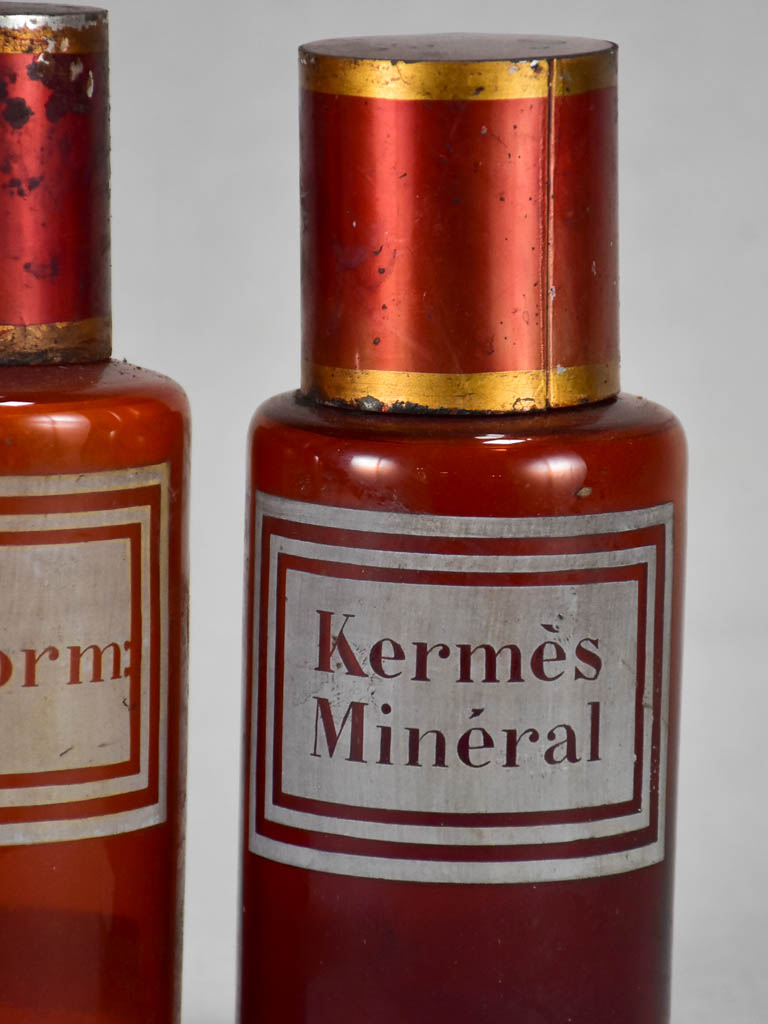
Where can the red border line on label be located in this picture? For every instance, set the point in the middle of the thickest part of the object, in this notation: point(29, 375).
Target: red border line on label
point(616, 541)
point(149, 496)
point(287, 563)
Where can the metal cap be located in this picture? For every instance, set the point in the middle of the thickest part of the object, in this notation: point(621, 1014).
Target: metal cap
point(54, 184)
point(459, 222)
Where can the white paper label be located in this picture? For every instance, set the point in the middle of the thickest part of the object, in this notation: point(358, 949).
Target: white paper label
point(458, 699)
point(83, 654)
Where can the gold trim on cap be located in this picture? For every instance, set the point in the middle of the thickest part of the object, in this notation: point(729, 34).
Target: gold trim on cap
point(497, 391)
point(74, 341)
point(572, 75)
point(457, 80)
point(576, 385)
point(80, 38)
point(425, 80)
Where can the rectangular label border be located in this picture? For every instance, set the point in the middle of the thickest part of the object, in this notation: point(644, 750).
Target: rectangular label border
point(577, 533)
point(140, 496)
point(463, 819)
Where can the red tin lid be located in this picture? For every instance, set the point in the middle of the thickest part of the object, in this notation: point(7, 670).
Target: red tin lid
point(54, 184)
point(459, 222)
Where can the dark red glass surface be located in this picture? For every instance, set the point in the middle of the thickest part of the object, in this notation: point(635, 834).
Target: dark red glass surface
point(319, 948)
point(90, 930)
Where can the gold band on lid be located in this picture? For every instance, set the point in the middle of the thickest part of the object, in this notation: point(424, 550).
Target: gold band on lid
point(80, 341)
point(574, 75)
point(577, 385)
point(458, 80)
point(502, 391)
point(424, 80)
point(52, 28)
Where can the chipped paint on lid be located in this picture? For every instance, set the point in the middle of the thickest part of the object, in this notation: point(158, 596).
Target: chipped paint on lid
point(52, 28)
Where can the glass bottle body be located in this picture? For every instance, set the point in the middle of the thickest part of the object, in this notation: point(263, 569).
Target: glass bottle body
point(92, 926)
point(320, 947)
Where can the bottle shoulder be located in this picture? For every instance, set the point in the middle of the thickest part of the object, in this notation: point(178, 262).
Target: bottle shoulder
point(77, 384)
point(624, 453)
point(625, 416)
point(79, 418)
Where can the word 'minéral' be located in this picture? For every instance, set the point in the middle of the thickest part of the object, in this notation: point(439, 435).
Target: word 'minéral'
point(359, 731)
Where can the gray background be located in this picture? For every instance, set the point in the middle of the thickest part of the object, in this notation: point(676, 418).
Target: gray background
point(206, 289)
